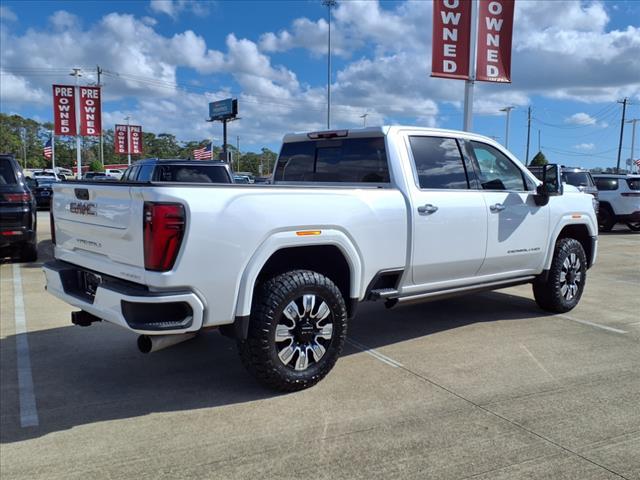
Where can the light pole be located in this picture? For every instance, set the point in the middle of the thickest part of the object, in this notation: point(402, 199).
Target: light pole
point(506, 135)
point(77, 72)
point(364, 119)
point(329, 4)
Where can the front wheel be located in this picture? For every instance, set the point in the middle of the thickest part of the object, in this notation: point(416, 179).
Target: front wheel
point(297, 330)
point(564, 285)
point(606, 219)
point(634, 226)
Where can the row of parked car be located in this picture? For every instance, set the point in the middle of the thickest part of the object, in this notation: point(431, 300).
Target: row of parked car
point(618, 195)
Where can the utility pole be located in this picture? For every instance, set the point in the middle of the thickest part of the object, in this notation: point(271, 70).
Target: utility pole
point(528, 134)
point(77, 72)
point(624, 111)
point(506, 136)
point(539, 148)
point(329, 4)
point(238, 148)
point(633, 122)
point(98, 74)
point(23, 137)
point(364, 119)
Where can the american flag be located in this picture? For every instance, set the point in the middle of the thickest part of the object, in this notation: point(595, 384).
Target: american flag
point(637, 162)
point(47, 148)
point(204, 153)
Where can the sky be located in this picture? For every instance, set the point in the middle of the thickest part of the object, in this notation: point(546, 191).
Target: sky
point(165, 60)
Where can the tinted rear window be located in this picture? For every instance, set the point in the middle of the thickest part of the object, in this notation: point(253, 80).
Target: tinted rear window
point(7, 174)
point(353, 160)
point(191, 174)
point(606, 183)
point(634, 183)
point(577, 179)
point(438, 162)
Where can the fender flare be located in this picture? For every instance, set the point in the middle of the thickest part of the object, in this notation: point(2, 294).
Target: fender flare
point(287, 239)
point(565, 221)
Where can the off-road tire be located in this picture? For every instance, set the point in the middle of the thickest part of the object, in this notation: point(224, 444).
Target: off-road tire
point(259, 352)
point(606, 219)
point(548, 293)
point(634, 226)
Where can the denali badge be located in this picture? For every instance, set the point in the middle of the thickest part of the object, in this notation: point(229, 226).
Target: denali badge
point(82, 208)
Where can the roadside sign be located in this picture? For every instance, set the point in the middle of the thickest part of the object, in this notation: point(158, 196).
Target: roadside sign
point(223, 109)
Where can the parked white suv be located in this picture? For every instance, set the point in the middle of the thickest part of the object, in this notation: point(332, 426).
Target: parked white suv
point(619, 200)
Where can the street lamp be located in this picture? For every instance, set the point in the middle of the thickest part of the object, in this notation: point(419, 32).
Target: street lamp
point(506, 135)
point(329, 4)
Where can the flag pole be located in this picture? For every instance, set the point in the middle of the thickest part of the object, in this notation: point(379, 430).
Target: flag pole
point(53, 152)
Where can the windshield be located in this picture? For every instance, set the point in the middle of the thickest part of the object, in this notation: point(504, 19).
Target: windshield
point(7, 175)
point(578, 179)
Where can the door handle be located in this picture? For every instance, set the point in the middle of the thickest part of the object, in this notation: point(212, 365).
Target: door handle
point(498, 207)
point(428, 208)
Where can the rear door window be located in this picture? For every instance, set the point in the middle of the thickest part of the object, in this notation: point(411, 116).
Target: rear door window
point(604, 183)
point(634, 183)
point(7, 173)
point(438, 163)
point(352, 160)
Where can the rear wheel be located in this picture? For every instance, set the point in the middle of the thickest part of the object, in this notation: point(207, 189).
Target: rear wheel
point(606, 219)
point(296, 332)
point(564, 285)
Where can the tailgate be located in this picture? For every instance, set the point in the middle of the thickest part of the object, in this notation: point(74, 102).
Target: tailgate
point(98, 224)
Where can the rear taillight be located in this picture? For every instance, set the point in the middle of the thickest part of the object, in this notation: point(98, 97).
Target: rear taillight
point(17, 197)
point(631, 194)
point(164, 225)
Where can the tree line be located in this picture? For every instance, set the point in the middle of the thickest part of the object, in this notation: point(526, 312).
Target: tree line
point(25, 138)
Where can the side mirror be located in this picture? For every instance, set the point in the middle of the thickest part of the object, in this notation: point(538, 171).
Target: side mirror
point(551, 184)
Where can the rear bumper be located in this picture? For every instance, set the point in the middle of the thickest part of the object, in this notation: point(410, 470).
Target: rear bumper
point(123, 303)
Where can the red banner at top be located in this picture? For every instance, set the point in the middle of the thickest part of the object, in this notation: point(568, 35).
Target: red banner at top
point(90, 112)
point(495, 28)
point(120, 140)
point(451, 35)
point(64, 109)
point(135, 139)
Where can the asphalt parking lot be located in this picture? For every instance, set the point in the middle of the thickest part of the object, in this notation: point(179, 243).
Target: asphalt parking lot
point(485, 386)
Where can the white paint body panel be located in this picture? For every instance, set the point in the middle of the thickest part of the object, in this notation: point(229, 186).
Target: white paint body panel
point(232, 230)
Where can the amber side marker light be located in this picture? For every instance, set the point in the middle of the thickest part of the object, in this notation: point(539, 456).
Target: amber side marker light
point(306, 233)
point(576, 216)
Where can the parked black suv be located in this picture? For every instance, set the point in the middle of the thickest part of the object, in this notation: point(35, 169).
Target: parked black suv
point(190, 171)
point(18, 213)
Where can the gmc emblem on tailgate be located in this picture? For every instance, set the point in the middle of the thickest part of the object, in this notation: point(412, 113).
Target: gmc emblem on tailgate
point(82, 208)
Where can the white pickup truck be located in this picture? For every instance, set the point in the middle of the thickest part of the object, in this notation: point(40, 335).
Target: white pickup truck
point(400, 214)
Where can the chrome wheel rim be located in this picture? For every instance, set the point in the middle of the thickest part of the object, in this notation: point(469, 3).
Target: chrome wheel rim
point(304, 332)
point(570, 277)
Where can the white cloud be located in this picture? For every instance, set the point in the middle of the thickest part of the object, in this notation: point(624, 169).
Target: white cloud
point(7, 14)
point(174, 8)
point(580, 119)
point(585, 147)
point(17, 90)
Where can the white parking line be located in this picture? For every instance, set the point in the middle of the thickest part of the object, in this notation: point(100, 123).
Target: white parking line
point(597, 325)
point(28, 409)
point(375, 354)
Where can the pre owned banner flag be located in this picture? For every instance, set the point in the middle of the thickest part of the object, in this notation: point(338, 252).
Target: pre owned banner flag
point(451, 35)
point(495, 27)
point(64, 110)
point(135, 139)
point(120, 140)
point(90, 115)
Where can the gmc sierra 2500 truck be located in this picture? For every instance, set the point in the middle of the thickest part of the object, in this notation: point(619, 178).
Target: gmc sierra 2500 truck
point(399, 214)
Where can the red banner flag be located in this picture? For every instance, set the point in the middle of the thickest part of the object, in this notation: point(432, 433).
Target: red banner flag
point(90, 112)
point(135, 140)
point(64, 109)
point(120, 140)
point(495, 28)
point(451, 35)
